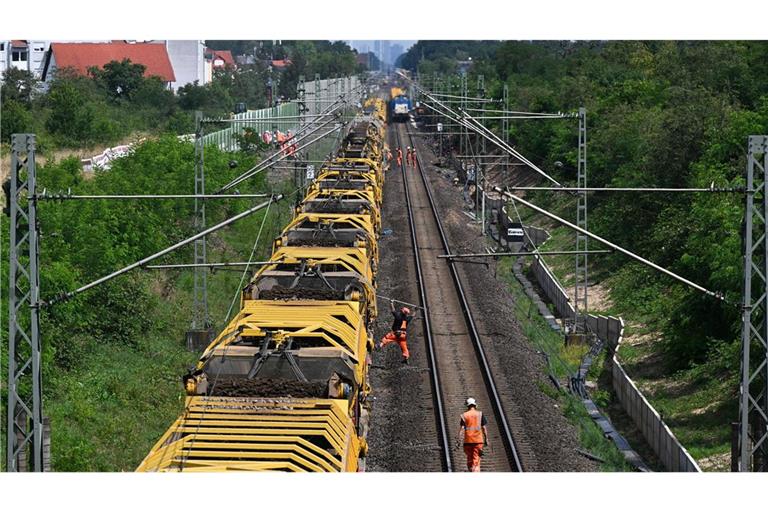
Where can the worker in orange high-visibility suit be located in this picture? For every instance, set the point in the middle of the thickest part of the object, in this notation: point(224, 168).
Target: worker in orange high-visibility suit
point(280, 138)
point(387, 158)
point(410, 157)
point(399, 154)
point(290, 142)
point(399, 329)
point(474, 434)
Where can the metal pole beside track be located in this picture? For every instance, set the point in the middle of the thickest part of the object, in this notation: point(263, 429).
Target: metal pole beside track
point(25, 401)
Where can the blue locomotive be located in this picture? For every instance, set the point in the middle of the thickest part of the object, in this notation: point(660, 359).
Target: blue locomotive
point(399, 105)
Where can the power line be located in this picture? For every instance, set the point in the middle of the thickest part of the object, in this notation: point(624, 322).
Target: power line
point(140, 263)
point(65, 196)
point(735, 190)
point(477, 127)
point(536, 253)
point(717, 295)
point(208, 265)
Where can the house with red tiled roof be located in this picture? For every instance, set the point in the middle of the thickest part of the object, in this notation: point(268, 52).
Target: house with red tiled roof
point(176, 62)
point(217, 59)
point(82, 56)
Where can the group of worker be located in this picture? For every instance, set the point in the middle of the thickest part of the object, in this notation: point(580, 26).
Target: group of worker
point(473, 430)
point(285, 141)
point(410, 157)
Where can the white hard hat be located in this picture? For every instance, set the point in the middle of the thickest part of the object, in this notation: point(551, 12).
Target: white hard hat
point(471, 401)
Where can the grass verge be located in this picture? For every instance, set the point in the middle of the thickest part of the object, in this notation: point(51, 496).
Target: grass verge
point(563, 361)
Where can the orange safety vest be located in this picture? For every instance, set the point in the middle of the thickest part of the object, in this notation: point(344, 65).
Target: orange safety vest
point(473, 430)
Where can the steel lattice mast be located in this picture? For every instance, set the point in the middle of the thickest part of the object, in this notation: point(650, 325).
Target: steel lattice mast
point(581, 286)
point(25, 404)
point(753, 394)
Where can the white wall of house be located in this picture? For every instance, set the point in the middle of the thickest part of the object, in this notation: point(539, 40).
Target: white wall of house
point(31, 58)
point(188, 61)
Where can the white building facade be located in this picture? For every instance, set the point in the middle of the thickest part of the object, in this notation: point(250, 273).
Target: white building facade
point(188, 61)
point(21, 54)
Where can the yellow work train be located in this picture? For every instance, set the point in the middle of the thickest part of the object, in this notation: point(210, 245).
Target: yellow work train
point(284, 387)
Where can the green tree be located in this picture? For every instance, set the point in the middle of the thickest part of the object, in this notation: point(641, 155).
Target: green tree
point(119, 79)
point(18, 85)
point(15, 119)
point(71, 115)
point(193, 96)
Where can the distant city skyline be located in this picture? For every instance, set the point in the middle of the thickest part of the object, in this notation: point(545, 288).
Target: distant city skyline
point(386, 50)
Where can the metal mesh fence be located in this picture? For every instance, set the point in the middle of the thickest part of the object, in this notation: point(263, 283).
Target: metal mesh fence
point(318, 96)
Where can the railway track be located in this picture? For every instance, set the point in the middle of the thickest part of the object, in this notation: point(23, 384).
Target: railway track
point(457, 361)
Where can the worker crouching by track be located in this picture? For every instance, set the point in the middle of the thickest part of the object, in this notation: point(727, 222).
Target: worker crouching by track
point(402, 317)
point(474, 434)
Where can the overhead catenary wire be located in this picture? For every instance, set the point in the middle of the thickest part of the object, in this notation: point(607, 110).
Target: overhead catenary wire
point(144, 261)
point(468, 121)
point(717, 295)
point(208, 265)
point(65, 196)
point(518, 117)
point(499, 142)
point(331, 110)
point(711, 188)
point(563, 115)
point(261, 166)
point(537, 253)
point(256, 120)
point(265, 165)
point(296, 138)
point(489, 136)
point(470, 98)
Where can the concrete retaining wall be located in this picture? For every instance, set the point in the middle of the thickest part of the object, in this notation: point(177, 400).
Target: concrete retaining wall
point(657, 434)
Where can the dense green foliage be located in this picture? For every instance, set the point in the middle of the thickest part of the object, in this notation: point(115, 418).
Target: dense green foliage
point(87, 239)
point(84, 111)
point(660, 114)
point(308, 58)
point(117, 100)
point(428, 57)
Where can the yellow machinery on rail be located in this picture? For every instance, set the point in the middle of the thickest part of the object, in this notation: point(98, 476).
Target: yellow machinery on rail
point(284, 387)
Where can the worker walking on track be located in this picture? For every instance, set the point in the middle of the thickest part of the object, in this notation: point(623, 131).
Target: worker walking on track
point(399, 154)
point(387, 158)
point(474, 434)
point(399, 329)
point(410, 157)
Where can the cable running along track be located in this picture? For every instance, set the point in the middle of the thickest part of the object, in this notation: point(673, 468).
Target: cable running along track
point(458, 364)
